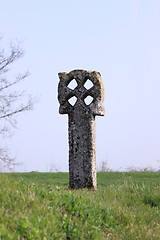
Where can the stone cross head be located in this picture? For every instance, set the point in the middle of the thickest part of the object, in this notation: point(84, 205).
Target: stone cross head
point(96, 92)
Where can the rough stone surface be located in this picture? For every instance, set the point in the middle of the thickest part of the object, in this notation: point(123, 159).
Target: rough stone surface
point(81, 118)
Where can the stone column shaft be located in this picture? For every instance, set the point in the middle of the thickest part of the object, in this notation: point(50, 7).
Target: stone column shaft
point(82, 151)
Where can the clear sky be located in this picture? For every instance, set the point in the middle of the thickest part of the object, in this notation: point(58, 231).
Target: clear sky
point(120, 39)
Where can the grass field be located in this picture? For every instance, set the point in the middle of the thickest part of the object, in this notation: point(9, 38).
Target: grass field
point(40, 206)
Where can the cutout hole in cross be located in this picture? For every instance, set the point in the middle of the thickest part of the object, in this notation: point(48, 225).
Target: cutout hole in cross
point(72, 100)
point(88, 84)
point(88, 100)
point(73, 84)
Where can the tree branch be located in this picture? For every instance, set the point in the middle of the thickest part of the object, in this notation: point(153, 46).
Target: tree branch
point(13, 101)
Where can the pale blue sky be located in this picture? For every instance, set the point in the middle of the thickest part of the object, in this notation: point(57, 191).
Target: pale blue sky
point(120, 39)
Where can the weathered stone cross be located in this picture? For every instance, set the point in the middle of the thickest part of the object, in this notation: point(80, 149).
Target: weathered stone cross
point(82, 146)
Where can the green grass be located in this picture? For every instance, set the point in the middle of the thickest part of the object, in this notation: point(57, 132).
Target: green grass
point(40, 206)
point(60, 179)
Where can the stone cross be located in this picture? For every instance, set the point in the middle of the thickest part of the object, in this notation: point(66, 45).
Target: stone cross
point(81, 116)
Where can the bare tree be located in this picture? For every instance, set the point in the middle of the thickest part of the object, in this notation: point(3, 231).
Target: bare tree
point(104, 167)
point(12, 100)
